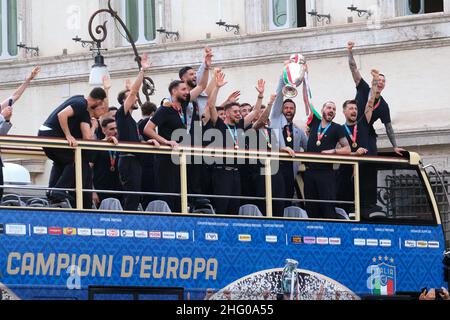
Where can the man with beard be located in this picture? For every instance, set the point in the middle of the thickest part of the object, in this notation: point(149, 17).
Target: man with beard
point(130, 167)
point(170, 117)
point(292, 140)
point(357, 134)
point(381, 109)
point(72, 121)
point(104, 164)
point(194, 111)
point(226, 177)
point(320, 179)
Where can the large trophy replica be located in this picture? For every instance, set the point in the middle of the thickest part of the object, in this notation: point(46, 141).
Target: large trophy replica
point(289, 280)
point(293, 75)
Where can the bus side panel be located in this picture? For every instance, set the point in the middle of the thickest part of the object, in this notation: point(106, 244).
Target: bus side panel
point(57, 255)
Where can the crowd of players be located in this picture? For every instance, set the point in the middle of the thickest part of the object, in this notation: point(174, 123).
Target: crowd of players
point(192, 111)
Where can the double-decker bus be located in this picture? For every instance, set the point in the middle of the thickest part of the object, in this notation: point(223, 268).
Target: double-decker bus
point(49, 252)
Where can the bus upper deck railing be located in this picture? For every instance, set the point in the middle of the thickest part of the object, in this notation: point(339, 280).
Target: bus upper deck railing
point(183, 153)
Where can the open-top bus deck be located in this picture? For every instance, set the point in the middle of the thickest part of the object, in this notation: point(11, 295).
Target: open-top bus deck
point(65, 253)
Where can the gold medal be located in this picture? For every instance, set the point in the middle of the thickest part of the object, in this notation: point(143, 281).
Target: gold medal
point(269, 145)
point(319, 143)
point(354, 145)
point(289, 139)
point(113, 169)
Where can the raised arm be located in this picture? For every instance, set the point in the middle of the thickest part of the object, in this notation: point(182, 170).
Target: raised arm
point(106, 86)
point(234, 97)
point(203, 80)
point(18, 93)
point(352, 63)
point(220, 82)
point(131, 99)
point(373, 92)
point(261, 87)
point(277, 109)
point(306, 100)
point(265, 116)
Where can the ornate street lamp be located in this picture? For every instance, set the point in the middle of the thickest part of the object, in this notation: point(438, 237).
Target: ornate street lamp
point(148, 87)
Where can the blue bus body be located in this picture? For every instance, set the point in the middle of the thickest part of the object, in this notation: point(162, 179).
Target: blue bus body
point(59, 255)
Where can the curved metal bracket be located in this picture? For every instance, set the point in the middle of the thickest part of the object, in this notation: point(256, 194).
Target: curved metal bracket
point(100, 33)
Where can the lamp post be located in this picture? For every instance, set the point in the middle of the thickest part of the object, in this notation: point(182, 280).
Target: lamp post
point(99, 69)
point(99, 35)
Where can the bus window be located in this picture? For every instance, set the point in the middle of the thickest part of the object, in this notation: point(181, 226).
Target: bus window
point(394, 191)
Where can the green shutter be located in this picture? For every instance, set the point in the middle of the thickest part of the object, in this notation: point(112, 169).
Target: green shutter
point(279, 12)
point(12, 27)
point(132, 17)
point(149, 20)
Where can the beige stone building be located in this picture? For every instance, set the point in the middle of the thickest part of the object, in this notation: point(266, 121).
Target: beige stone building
point(408, 40)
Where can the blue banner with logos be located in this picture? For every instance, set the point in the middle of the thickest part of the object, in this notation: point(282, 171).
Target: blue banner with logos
point(57, 255)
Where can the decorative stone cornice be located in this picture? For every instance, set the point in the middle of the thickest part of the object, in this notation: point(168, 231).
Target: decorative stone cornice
point(417, 138)
point(397, 34)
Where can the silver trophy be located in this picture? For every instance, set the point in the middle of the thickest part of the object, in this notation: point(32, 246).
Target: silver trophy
point(293, 75)
point(289, 279)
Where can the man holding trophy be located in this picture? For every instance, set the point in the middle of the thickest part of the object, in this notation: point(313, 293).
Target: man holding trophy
point(291, 138)
point(324, 137)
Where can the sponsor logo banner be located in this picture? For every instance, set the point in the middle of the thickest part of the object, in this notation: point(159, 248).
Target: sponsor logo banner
point(141, 234)
point(182, 235)
point(335, 241)
point(84, 232)
point(169, 235)
point(113, 233)
point(16, 229)
point(212, 237)
point(70, 231)
point(271, 239)
point(360, 242)
point(55, 231)
point(245, 238)
point(99, 232)
point(127, 233)
point(40, 230)
point(2, 229)
point(385, 243)
point(155, 234)
point(322, 241)
point(433, 244)
point(309, 240)
point(422, 244)
point(410, 244)
point(372, 242)
point(296, 239)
